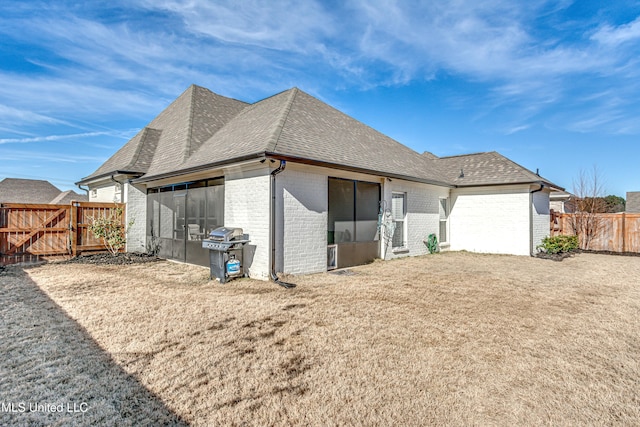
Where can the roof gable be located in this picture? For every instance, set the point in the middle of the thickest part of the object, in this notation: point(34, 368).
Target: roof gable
point(254, 130)
point(188, 122)
point(174, 135)
point(17, 190)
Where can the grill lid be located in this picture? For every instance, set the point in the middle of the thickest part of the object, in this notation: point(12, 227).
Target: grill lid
point(225, 234)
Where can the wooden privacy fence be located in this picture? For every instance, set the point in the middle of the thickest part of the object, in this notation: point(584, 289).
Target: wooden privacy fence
point(619, 232)
point(51, 229)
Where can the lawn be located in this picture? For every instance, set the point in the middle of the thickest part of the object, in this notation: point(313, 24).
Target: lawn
point(448, 339)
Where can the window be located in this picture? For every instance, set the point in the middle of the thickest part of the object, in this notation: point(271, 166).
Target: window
point(444, 216)
point(399, 213)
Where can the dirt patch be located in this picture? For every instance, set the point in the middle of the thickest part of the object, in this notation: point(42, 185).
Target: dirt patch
point(446, 339)
point(109, 259)
point(637, 254)
point(560, 256)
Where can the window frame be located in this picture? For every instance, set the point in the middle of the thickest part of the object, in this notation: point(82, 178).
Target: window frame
point(403, 221)
point(444, 212)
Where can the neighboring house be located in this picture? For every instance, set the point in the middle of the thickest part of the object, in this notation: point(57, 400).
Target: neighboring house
point(304, 180)
point(633, 202)
point(15, 190)
point(562, 202)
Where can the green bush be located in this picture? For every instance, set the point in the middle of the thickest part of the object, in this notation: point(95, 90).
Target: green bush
point(432, 243)
point(559, 244)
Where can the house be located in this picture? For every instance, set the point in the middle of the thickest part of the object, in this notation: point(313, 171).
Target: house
point(310, 184)
point(15, 190)
point(633, 202)
point(562, 202)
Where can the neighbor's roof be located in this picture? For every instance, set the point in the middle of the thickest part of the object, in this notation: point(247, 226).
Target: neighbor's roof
point(66, 197)
point(16, 190)
point(200, 130)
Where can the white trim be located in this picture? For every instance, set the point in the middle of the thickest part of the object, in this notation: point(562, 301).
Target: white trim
point(394, 213)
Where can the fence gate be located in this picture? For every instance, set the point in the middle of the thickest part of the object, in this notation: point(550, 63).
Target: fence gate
point(39, 229)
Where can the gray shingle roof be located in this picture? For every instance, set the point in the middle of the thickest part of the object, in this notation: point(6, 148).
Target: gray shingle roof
point(488, 168)
point(200, 129)
point(16, 190)
point(66, 197)
point(176, 133)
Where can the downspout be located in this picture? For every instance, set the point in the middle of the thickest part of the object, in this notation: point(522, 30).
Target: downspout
point(272, 218)
point(121, 187)
point(531, 248)
point(86, 190)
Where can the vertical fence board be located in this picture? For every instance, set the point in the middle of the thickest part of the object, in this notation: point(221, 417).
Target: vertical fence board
point(50, 229)
point(619, 232)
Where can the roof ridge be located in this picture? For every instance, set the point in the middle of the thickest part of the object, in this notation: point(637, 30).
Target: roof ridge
point(466, 155)
point(187, 147)
point(273, 141)
point(141, 144)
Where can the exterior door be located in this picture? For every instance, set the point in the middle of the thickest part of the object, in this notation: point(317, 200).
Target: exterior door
point(179, 226)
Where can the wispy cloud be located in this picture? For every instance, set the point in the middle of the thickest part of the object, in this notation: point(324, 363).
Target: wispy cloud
point(278, 24)
point(51, 138)
point(134, 61)
point(612, 36)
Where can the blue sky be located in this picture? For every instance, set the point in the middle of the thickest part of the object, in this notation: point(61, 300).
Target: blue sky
point(553, 85)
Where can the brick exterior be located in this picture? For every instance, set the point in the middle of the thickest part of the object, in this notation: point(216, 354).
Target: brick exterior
point(246, 205)
point(540, 219)
point(136, 199)
point(486, 219)
point(491, 220)
point(423, 214)
point(301, 233)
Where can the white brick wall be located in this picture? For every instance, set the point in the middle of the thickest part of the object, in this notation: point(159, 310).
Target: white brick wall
point(423, 215)
point(491, 220)
point(541, 217)
point(246, 205)
point(301, 233)
point(136, 210)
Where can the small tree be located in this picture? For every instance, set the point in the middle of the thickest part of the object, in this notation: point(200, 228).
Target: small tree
point(586, 222)
point(110, 229)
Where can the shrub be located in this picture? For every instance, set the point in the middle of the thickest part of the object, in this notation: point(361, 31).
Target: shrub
point(559, 244)
point(109, 228)
point(432, 243)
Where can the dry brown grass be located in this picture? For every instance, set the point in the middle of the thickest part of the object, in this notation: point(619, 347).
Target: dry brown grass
point(453, 339)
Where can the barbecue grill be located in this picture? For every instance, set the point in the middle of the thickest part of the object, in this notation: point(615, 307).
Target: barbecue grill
point(227, 250)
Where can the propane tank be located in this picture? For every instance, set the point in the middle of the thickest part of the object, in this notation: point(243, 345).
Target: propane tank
point(233, 266)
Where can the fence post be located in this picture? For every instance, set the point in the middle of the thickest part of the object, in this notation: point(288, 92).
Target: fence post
point(624, 233)
point(73, 228)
